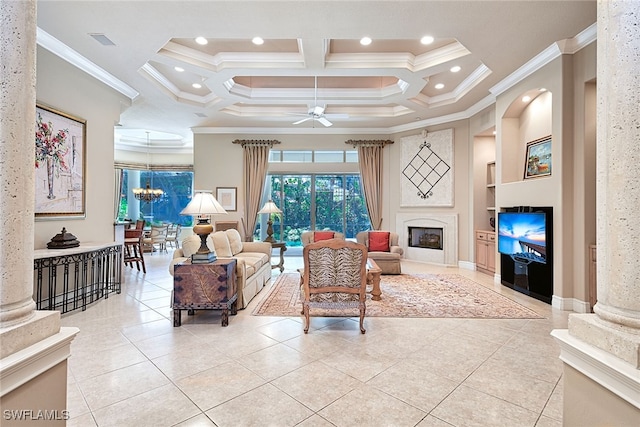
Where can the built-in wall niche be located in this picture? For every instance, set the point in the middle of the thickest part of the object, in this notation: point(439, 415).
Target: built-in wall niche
point(528, 118)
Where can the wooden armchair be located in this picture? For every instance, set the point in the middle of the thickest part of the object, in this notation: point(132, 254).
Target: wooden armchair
point(334, 276)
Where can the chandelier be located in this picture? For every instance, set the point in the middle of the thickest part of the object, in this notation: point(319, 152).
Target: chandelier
point(147, 194)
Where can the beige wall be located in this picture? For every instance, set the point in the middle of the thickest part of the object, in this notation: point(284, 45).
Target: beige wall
point(218, 163)
point(74, 92)
point(570, 190)
point(589, 404)
point(45, 395)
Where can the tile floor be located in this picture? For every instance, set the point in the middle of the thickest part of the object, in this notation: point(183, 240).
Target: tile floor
point(131, 367)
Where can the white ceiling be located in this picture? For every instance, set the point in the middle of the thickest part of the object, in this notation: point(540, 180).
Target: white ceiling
point(386, 87)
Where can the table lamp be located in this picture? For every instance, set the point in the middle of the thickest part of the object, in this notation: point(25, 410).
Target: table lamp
point(203, 203)
point(270, 208)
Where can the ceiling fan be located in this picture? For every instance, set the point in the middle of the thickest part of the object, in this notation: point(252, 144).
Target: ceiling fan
point(317, 112)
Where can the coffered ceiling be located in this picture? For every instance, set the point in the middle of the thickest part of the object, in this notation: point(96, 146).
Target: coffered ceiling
point(311, 58)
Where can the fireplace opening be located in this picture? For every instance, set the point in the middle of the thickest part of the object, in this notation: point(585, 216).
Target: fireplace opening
point(425, 237)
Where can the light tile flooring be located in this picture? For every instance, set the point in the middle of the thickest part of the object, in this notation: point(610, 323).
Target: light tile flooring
point(131, 367)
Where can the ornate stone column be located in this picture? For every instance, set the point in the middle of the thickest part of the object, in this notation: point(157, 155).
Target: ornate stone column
point(17, 115)
point(601, 351)
point(34, 351)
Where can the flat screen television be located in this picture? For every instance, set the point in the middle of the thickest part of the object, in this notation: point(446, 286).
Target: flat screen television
point(523, 236)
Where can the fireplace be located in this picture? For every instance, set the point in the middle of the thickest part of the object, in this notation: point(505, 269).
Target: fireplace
point(444, 225)
point(425, 237)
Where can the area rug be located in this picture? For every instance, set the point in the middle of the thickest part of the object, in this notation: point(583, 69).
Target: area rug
point(406, 295)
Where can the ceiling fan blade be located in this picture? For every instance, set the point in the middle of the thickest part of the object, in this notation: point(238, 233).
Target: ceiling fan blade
point(324, 121)
point(302, 121)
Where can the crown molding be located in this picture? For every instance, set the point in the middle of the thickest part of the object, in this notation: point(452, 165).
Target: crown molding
point(58, 48)
point(567, 46)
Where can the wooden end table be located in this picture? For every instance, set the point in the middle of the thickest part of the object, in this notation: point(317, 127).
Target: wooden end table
point(207, 286)
point(373, 278)
point(283, 247)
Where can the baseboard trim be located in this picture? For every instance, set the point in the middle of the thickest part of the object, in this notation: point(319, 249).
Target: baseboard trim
point(570, 304)
point(467, 265)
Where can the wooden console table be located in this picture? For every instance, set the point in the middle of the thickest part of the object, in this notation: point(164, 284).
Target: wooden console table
point(68, 279)
point(206, 286)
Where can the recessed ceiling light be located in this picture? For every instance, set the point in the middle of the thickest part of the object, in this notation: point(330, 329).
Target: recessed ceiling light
point(494, 132)
point(365, 41)
point(542, 89)
point(201, 40)
point(439, 86)
point(178, 69)
point(526, 98)
point(455, 69)
point(427, 40)
point(257, 40)
point(196, 85)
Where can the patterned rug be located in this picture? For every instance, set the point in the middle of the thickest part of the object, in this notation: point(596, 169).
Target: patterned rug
point(406, 295)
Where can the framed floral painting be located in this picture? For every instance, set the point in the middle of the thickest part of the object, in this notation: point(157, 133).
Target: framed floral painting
point(60, 144)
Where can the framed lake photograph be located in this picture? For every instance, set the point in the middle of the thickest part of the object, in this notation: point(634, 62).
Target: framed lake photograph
point(60, 143)
point(538, 159)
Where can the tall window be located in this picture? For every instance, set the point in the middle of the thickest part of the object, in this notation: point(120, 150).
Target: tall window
point(177, 187)
point(316, 202)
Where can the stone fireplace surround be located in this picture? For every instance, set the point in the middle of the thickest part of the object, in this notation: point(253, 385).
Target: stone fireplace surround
point(449, 224)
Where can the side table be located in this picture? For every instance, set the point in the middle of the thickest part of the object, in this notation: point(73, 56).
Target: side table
point(283, 247)
point(209, 286)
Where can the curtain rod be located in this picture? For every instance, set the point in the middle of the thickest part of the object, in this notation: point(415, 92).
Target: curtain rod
point(369, 142)
point(256, 142)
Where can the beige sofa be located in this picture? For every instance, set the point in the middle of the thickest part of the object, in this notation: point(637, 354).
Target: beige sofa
point(253, 268)
point(388, 261)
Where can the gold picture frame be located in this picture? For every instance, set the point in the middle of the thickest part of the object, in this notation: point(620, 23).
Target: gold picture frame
point(538, 158)
point(60, 146)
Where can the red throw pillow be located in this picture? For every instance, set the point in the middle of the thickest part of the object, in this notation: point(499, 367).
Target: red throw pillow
point(322, 235)
point(379, 241)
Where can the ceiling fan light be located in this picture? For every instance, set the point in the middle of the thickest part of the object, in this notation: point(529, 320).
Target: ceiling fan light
point(317, 110)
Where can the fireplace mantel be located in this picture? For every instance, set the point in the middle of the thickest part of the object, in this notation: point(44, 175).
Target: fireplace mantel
point(448, 222)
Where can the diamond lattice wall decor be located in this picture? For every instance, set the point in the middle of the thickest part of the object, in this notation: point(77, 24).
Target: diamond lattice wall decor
point(427, 169)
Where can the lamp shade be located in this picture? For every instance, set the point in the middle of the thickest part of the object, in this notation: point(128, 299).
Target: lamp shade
point(203, 203)
point(269, 208)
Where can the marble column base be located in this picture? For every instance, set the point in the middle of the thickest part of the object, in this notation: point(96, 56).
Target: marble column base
point(599, 389)
point(40, 326)
point(622, 342)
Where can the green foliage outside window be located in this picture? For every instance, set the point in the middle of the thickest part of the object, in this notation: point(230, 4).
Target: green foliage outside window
point(338, 204)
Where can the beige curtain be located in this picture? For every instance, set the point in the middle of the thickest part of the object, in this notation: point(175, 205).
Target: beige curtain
point(118, 173)
point(255, 167)
point(370, 163)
